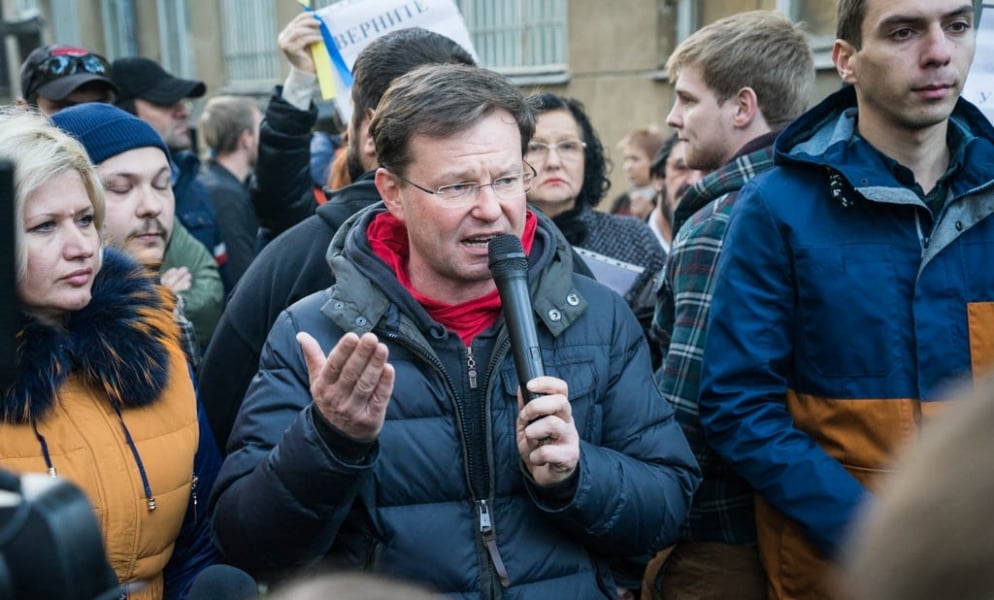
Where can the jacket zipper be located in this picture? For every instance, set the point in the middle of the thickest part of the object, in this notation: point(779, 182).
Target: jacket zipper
point(196, 504)
point(490, 541)
point(471, 367)
point(487, 533)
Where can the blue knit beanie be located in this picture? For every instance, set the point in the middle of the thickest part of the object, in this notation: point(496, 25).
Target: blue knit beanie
point(106, 131)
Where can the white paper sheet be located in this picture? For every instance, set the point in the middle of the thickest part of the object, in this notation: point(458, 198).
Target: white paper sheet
point(979, 87)
point(356, 23)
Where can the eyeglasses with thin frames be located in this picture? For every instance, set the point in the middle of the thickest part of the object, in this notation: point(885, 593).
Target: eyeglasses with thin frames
point(567, 150)
point(458, 195)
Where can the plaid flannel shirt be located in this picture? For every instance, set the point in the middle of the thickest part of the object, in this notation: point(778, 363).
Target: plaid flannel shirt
point(723, 509)
point(188, 337)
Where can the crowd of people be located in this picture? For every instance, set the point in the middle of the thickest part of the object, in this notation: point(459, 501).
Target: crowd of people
point(289, 356)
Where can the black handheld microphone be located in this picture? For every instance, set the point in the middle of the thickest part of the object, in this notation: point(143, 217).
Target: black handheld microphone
point(223, 582)
point(509, 267)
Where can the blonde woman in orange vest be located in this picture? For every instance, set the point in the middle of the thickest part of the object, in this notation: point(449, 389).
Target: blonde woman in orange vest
point(103, 394)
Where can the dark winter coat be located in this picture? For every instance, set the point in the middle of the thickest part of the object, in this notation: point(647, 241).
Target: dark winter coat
point(445, 480)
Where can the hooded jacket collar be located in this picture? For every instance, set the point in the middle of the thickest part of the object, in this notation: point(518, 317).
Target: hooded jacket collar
point(349, 200)
point(367, 293)
point(754, 157)
point(826, 137)
point(113, 343)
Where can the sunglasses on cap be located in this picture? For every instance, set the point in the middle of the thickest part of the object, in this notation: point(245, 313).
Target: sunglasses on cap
point(54, 67)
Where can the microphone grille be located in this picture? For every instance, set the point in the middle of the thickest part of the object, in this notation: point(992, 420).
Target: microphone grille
point(506, 255)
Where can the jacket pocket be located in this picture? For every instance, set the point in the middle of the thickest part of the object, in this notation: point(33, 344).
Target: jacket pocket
point(849, 300)
point(794, 567)
point(980, 321)
point(581, 382)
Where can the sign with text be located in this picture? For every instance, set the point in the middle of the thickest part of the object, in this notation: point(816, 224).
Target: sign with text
point(356, 23)
point(979, 87)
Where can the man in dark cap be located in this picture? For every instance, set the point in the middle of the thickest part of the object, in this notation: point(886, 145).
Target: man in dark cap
point(147, 91)
point(157, 97)
point(55, 77)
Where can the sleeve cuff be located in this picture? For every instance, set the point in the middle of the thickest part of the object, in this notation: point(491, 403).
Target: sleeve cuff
point(299, 87)
point(555, 496)
point(345, 448)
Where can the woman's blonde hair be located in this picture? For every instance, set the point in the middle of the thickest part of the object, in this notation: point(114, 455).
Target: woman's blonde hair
point(39, 151)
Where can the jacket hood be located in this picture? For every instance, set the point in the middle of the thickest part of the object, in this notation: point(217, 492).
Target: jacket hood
point(117, 343)
point(349, 200)
point(367, 292)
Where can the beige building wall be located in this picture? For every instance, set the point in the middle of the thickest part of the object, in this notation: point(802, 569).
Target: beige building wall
point(616, 60)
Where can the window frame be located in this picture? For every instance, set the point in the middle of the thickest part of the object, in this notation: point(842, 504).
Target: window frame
point(174, 37)
point(821, 45)
point(119, 30)
point(260, 18)
point(688, 21)
point(530, 30)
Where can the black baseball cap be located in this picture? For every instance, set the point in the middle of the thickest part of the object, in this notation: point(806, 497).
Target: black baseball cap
point(143, 78)
point(55, 71)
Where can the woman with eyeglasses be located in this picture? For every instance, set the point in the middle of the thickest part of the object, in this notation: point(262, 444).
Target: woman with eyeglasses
point(565, 151)
point(103, 395)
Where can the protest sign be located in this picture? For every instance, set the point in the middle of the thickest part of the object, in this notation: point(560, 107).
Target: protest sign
point(979, 87)
point(355, 23)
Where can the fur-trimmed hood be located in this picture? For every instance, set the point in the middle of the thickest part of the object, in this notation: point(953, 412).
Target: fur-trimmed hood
point(117, 343)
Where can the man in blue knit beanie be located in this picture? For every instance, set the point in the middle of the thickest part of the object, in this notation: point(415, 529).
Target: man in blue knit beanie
point(161, 99)
point(135, 169)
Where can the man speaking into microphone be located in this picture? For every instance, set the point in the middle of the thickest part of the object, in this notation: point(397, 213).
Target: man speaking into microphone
point(387, 430)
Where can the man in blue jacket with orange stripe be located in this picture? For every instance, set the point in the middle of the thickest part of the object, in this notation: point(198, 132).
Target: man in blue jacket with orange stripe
point(860, 286)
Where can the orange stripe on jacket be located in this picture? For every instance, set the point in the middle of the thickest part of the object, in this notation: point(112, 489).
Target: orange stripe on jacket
point(980, 321)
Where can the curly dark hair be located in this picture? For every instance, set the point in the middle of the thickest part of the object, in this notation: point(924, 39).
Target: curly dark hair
point(596, 164)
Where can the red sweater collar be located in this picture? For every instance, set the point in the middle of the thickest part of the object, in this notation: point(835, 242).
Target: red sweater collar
point(388, 239)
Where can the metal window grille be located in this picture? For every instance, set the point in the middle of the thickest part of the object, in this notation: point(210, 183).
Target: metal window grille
point(119, 28)
point(518, 37)
point(65, 22)
point(514, 37)
point(249, 41)
point(174, 38)
point(26, 8)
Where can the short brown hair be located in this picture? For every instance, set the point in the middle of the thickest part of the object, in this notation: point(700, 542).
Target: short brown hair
point(223, 121)
point(759, 49)
point(649, 139)
point(439, 101)
point(849, 15)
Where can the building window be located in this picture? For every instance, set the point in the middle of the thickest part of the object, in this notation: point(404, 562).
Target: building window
point(65, 22)
point(119, 28)
point(518, 37)
point(248, 41)
point(174, 38)
point(523, 39)
point(817, 15)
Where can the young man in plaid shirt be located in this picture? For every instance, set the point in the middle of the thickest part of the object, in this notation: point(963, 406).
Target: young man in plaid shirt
point(738, 82)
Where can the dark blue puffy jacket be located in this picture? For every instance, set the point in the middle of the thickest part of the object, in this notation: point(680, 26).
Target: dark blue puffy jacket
point(446, 462)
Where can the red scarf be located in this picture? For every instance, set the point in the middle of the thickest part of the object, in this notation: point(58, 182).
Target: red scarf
point(388, 238)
